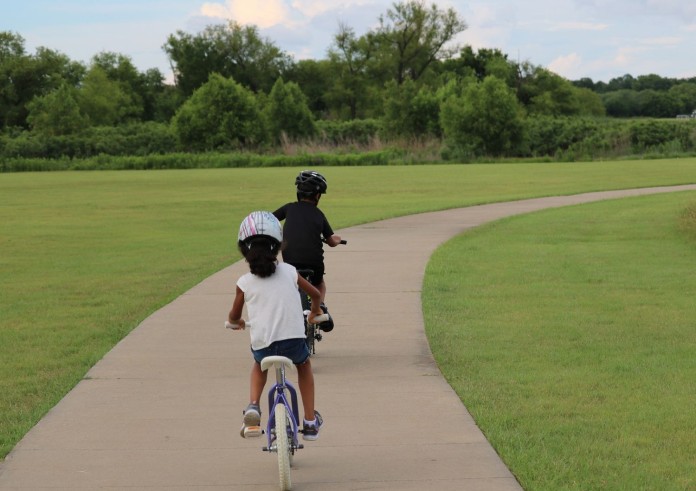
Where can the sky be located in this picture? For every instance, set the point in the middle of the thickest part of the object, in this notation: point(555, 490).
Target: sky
point(598, 39)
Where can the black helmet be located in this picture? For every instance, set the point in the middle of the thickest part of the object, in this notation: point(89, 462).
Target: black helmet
point(310, 183)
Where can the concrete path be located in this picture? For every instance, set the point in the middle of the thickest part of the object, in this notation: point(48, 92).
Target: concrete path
point(162, 410)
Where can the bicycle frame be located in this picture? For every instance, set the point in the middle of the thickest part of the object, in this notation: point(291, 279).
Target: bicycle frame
point(279, 393)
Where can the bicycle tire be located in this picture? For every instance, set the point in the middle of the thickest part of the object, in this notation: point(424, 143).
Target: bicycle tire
point(283, 446)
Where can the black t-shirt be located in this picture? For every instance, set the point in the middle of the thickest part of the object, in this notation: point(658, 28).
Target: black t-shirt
point(304, 227)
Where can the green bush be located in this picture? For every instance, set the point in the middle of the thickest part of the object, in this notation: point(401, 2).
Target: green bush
point(646, 135)
point(549, 135)
point(287, 113)
point(132, 139)
point(193, 161)
point(221, 114)
point(574, 138)
point(360, 131)
point(486, 120)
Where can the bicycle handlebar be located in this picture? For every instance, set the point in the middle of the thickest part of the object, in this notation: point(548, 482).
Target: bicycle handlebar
point(320, 318)
point(317, 320)
point(343, 241)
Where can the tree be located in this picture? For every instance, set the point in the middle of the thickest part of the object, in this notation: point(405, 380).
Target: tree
point(219, 114)
point(141, 88)
point(544, 92)
point(105, 101)
point(654, 82)
point(24, 76)
point(410, 111)
point(685, 93)
point(655, 104)
point(57, 113)
point(621, 103)
point(480, 64)
point(589, 102)
point(412, 37)
point(625, 82)
point(350, 59)
point(287, 112)
point(314, 77)
point(486, 119)
point(232, 50)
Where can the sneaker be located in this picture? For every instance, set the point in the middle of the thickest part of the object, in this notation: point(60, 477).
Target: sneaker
point(252, 422)
point(328, 325)
point(311, 431)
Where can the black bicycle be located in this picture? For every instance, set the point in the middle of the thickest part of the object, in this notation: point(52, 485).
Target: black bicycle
point(312, 331)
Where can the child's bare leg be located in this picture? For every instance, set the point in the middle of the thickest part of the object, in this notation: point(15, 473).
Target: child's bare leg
point(305, 378)
point(258, 381)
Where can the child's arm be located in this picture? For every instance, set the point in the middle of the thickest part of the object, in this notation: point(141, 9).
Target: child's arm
point(314, 294)
point(235, 315)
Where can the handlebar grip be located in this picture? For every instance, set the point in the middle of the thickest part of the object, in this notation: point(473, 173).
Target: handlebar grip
point(343, 241)
point(318, 319)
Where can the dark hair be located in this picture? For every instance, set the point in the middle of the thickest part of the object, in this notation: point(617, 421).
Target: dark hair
point(261, 253)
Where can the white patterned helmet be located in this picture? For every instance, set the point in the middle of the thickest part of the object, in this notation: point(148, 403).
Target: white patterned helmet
point(260, 223)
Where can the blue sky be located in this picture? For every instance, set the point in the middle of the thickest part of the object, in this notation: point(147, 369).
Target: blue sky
point(600, 39)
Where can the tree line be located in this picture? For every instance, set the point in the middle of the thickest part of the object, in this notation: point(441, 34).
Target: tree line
point(235, 89)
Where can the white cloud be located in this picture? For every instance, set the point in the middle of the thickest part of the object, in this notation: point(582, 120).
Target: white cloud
point(262, 13)
point(662, 41)
point(313, 8)
point(578, 26)
point(568, 66)
point(627, 55)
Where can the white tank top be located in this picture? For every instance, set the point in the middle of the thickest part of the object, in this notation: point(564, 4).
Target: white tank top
point(273, 306)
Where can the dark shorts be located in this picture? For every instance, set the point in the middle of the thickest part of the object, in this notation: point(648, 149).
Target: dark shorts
point(295, 349)
point(318, 271)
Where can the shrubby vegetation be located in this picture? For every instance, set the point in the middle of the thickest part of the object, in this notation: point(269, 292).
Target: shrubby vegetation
point(401, 85)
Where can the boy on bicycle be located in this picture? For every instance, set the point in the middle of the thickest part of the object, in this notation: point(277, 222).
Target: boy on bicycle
point(276, 320)
point(306, 229)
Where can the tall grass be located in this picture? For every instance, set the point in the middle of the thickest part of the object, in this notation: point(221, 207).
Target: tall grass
point(569, 335)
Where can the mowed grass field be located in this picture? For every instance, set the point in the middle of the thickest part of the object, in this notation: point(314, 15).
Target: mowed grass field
point(569, 335)
point(87, 255)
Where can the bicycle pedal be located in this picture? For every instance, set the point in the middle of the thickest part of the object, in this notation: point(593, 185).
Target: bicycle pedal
point(253, 431)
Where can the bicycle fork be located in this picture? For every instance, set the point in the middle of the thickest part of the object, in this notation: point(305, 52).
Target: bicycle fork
point(277, 396)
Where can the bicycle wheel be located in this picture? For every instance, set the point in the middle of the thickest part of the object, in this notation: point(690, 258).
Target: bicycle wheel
point(309, 332)
point(283, 446)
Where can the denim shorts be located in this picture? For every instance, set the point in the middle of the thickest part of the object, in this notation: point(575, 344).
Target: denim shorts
point(295, 349)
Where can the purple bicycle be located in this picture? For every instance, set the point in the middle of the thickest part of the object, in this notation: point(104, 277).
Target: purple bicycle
point(282, 428)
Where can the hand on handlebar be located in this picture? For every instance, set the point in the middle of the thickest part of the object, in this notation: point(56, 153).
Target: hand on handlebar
point(313, 318)
point(238, 326)
point(333, 243)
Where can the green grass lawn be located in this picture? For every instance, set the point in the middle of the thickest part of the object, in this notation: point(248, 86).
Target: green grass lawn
point(569, 335)
point(86, 256)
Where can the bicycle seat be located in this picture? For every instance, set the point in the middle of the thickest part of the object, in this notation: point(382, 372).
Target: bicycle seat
point(271, 361)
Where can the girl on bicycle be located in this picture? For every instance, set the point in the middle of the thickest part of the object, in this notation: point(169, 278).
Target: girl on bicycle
point(276, 320)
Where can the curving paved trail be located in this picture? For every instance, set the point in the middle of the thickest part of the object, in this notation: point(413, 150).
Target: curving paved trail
point(162, 410)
